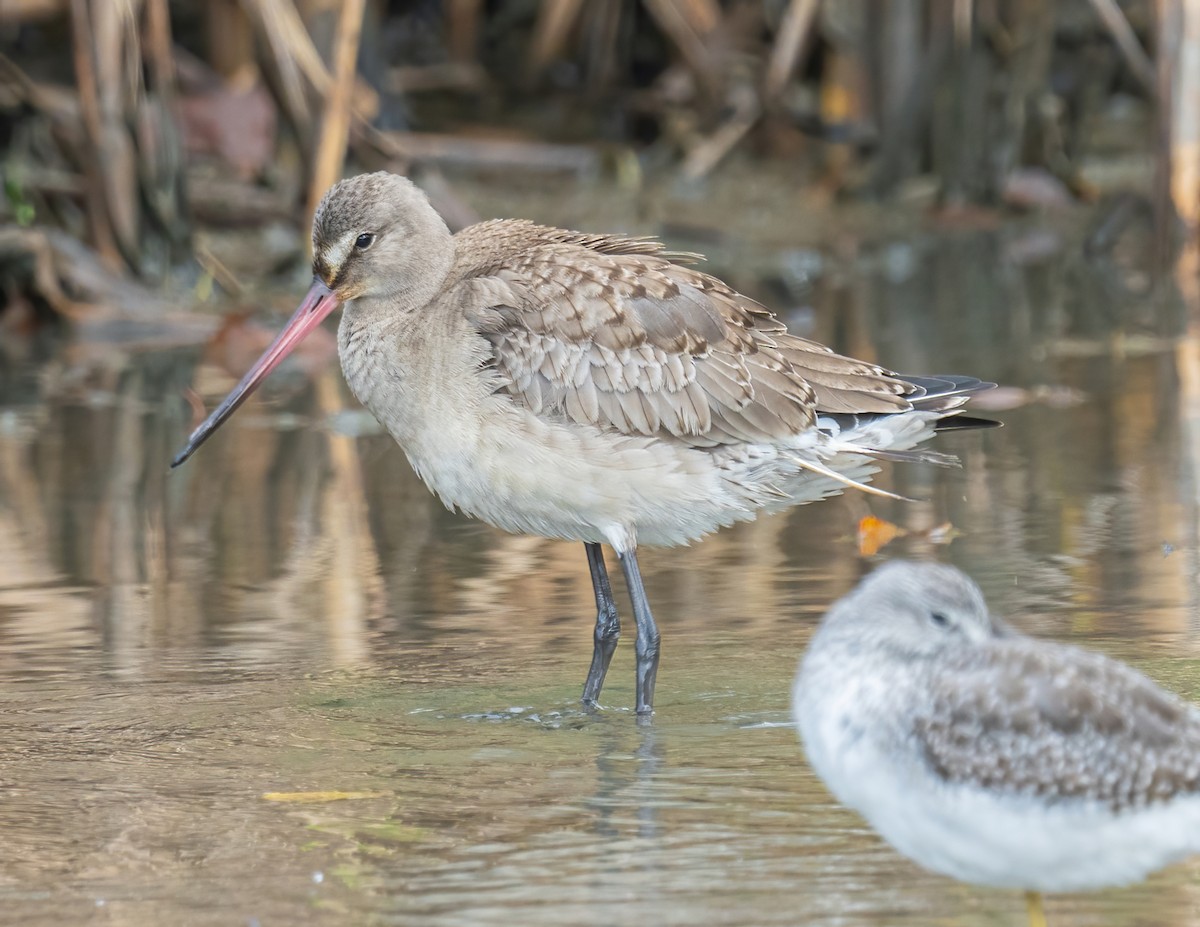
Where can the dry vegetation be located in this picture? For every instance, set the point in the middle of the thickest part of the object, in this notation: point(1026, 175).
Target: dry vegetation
point(131, 124)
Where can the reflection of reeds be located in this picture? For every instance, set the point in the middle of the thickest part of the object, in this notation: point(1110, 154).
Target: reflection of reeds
point(37, 609)
point(353, 591)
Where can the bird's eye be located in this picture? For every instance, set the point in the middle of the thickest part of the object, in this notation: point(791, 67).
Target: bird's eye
point(939, 619)
point(364, 241)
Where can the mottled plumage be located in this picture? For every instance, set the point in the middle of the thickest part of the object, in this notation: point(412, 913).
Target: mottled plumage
point(1058, 724)
point(589, 387)
point(615, 332)
point(988, 755)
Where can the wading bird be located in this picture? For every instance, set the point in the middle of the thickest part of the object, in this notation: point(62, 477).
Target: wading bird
point(587, 387)
point(989, 756)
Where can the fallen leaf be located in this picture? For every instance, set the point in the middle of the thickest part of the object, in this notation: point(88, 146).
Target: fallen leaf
point(313, 797)
point(875, 533)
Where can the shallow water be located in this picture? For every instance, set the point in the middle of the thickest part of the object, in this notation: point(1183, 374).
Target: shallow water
point(283, 685)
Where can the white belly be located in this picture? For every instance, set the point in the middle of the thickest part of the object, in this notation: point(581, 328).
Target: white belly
point(1016, 842)
point(528, 476)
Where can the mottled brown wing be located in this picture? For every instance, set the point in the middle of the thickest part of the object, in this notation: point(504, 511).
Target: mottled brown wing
point(613, 332)
point(1058, 723)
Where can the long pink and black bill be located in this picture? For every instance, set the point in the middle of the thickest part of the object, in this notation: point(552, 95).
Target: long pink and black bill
point(318, 303)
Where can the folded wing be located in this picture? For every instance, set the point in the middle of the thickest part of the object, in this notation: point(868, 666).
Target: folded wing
point(1083, 728)
point(617, 333)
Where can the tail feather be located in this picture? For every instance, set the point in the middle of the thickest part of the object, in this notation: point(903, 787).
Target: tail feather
point(957, 422)
point(847, 441)
point(886, 436)
point(943, 393)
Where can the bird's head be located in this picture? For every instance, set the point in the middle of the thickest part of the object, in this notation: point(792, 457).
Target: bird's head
point(376, 239)
point(913, 611)
point(377, 236)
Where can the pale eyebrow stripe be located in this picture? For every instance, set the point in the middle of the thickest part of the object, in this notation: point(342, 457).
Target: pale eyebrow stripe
point(336, 254)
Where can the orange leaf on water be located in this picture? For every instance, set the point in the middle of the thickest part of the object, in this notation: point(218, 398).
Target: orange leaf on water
point(875, 533)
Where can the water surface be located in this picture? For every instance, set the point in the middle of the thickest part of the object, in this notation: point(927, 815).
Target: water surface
point(282, 685)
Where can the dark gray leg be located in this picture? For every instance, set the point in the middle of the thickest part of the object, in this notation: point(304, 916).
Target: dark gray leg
point(647, 634)
point(608, 625)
